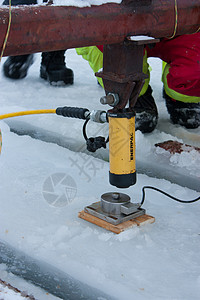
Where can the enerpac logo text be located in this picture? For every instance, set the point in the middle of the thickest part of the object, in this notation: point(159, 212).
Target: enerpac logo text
point(131, 146)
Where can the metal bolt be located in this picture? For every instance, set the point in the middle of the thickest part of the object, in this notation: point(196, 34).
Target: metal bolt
point(103, 100)
point(115, 196)
point(111, 99)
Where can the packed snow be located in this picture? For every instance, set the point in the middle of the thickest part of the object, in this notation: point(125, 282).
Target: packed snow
point(78, 3)
point(25, 288)
point(83, 2)
point(156, 261)
point(140, 38)
point(9, 294)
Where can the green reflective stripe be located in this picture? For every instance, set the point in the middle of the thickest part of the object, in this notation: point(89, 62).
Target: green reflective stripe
point(146, 71)
point(173, 94)
point(163, 66)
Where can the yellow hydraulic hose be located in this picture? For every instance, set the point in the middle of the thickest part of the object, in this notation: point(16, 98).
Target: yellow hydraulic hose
point(71, 112)
point(28, 112)
point(23, 113)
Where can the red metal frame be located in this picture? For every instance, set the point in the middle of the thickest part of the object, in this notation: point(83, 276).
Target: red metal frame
point(49, 28)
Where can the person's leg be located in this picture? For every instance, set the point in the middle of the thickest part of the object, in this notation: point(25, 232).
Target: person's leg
point(16, 67)
point(181, 77)
point(53, 68)
point(146, 117)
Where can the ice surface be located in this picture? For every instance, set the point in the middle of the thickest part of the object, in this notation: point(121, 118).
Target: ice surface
point(158, 261)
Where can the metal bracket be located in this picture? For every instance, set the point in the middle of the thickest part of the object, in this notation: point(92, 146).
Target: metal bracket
point(122, 70)
point(115, 208)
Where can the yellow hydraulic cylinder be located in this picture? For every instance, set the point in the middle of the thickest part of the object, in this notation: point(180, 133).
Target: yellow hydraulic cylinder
point(122, 148)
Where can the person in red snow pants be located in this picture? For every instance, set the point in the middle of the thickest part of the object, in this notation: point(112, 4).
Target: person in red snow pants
point(180, 77)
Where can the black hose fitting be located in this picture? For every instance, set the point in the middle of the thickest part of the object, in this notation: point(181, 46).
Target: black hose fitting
point(72, 112)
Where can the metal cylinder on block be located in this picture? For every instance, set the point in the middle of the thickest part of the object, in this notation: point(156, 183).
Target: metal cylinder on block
point(122, 148)
point(111, 202)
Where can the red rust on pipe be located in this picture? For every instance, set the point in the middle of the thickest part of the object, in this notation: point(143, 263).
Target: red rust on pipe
point(50, 28)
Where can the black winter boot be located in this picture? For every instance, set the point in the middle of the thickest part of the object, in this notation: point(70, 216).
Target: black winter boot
point(16, 67)
point(146, 112)
point(54, 70)
point(185, 114)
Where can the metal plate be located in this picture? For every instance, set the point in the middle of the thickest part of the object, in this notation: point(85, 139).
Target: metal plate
point(95, 210)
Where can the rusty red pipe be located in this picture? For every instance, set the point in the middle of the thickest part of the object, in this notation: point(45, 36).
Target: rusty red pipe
point(49, 28)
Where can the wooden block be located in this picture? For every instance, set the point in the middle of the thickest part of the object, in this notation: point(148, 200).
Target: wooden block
point(145, 219)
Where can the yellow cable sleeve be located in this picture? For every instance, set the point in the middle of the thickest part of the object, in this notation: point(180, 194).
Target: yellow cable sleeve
point(28, 112)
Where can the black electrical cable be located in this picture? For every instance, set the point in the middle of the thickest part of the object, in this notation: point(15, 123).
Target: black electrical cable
point(84, 128)
point(166, 194)
point(94, 143)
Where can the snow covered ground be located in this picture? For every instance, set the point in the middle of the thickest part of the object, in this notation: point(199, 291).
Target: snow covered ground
point(158, 261)
point(79, 3)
